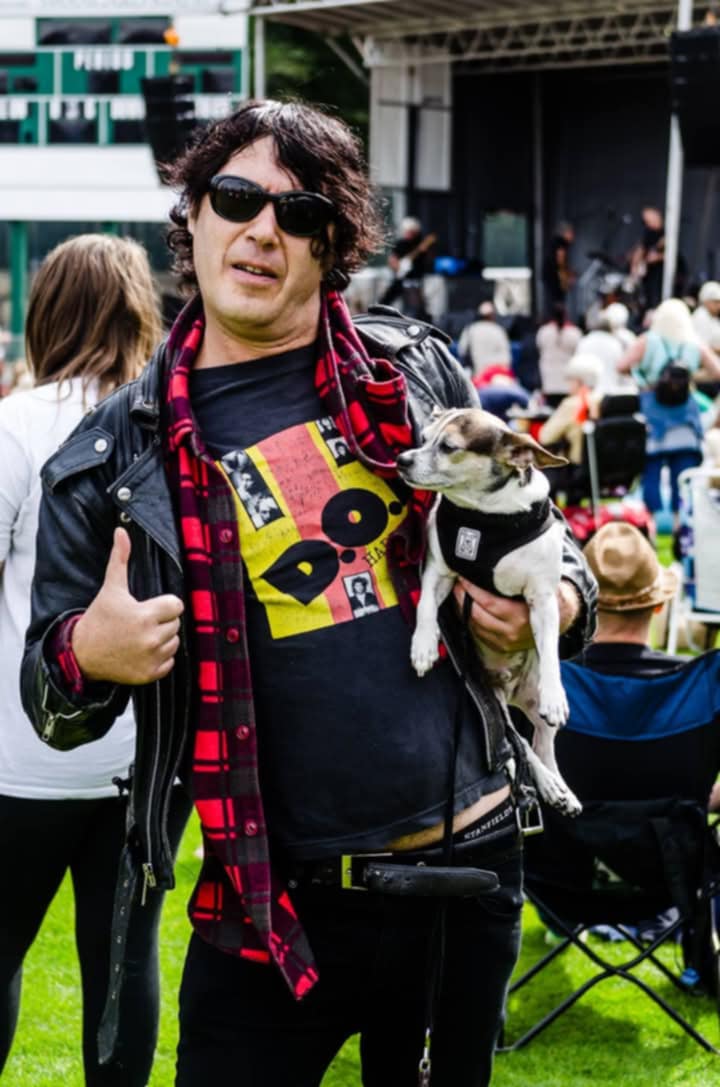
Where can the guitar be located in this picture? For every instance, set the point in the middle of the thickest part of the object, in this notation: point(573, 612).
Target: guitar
point(405, 263)
point(640, 258)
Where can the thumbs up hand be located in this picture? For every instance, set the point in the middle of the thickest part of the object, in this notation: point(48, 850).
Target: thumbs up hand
point(123, 640)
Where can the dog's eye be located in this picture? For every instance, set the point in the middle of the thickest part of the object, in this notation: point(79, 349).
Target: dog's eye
point(446, 447)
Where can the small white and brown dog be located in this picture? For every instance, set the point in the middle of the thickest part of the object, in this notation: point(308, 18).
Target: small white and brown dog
point(493, 525)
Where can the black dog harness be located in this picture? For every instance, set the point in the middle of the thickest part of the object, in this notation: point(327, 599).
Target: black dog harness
point(472, 543)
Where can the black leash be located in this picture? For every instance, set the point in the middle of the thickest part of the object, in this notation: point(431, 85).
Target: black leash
point(438, 938)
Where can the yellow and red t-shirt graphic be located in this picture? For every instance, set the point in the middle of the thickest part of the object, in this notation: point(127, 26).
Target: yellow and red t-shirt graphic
point(314, 525)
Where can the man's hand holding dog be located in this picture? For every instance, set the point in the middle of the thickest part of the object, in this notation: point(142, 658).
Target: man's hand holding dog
point(123, 640)
point(503, 624)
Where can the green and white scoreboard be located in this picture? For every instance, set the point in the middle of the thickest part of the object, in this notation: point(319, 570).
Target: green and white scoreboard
point(70, 73)
point(72, 142)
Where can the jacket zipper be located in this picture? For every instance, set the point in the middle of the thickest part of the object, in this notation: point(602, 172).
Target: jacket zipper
point(186, 716)
point(149, 880)
point(49, 727)
point(51, 719)
point(148, 868)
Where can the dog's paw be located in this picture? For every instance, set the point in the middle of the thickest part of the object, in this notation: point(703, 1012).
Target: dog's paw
point(424, 650)
point(568, 803)
point(554, 707)
point(557, 793)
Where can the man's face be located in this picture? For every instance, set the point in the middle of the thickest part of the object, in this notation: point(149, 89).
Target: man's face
point(652, 218)
point(713, 307)
point(259, 285)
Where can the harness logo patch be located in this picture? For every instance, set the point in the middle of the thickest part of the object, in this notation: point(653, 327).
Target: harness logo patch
point(467, 544)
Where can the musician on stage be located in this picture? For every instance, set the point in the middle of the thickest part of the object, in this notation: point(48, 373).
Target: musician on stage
point(557, 273)
point(647, 260)
point(409, 262)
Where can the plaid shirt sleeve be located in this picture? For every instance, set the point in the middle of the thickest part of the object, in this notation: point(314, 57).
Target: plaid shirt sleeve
point(64, 668)
point(62, 657)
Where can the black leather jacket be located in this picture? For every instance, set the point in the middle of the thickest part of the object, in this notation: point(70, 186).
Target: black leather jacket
point(110, 471)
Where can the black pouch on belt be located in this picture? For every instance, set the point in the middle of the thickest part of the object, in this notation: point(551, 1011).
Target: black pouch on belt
point(429, 881)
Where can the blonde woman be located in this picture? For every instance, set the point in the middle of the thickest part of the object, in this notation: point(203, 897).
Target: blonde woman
point(674, 431)
point(92, 321)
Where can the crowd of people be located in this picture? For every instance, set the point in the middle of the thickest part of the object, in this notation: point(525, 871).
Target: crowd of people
point(209, 573)
point(559, 374)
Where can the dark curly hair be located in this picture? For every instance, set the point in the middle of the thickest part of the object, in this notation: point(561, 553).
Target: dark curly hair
point(317, 148)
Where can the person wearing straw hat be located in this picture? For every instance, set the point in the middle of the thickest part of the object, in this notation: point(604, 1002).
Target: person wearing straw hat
point(632, 586)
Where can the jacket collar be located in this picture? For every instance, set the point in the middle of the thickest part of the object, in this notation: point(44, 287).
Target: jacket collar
point(145, 402)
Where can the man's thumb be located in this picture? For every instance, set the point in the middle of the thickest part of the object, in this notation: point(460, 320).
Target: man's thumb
point(116, 571)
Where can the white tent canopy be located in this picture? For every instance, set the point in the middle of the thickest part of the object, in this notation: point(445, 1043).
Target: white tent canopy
point(517, 34)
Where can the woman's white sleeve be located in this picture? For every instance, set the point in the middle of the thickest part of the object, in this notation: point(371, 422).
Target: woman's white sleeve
point(16, 481)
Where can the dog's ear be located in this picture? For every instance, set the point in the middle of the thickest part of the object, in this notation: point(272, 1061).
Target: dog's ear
point(521, 450)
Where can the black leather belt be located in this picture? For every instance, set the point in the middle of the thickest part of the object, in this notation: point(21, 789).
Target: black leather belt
point(413, 872)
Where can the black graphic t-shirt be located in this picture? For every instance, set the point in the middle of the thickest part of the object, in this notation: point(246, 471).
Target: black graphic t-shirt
point(354, 747)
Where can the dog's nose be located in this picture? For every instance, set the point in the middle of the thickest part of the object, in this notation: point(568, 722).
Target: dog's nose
point(404, 460)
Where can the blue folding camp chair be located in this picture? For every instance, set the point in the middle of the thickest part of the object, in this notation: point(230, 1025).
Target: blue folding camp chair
point(642, 755)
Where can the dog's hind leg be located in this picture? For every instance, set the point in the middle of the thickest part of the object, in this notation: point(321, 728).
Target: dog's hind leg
point(541, 755)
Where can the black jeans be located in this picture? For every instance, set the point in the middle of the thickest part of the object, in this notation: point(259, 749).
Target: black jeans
point(372, 952)
point(41, 840)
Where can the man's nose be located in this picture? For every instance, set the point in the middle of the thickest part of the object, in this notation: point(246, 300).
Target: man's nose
point(264, 228)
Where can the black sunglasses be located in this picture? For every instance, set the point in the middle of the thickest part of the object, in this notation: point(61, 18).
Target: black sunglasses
point(303, 214)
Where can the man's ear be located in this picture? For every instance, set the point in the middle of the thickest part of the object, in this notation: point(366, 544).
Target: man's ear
point(521, 450)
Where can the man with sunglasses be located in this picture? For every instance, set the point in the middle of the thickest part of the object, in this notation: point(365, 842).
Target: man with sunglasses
point(319, 762)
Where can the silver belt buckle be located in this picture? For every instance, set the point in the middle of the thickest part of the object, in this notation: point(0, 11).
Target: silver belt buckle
point(529, 816)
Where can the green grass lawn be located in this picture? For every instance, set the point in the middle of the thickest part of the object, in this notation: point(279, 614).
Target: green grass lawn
point(615, 1035)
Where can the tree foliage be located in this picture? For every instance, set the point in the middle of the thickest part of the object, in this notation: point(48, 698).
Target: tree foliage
point(301, 64)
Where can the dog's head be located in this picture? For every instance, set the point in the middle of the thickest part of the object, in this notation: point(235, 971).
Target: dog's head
point(469, 447)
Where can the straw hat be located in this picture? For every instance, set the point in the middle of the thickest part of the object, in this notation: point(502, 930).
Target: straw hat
point(628, 573)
